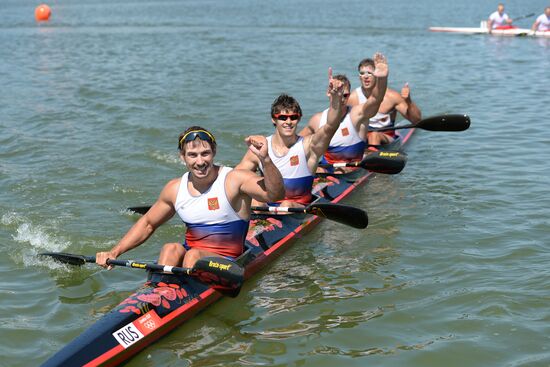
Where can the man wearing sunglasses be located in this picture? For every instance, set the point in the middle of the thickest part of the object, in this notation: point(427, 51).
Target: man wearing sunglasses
point(297, 157)
point(213, 202)
point(348, 143)
point(392, 103)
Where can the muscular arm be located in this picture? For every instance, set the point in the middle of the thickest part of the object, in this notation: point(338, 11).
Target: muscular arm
point(250, 162)
point(160, 212)
point(406, 106)
point(270, 187)
point(316, 145)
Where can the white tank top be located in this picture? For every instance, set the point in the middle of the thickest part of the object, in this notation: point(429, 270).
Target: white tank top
point(544, 23)
point(346, 145)
point(380, 119)
point(498, 20)
point(212, 223)
point(298, 179)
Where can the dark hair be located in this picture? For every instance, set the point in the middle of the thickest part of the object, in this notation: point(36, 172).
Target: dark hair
point(344, 79)
point(211, 140)
point(365, 62)
point(285, 102)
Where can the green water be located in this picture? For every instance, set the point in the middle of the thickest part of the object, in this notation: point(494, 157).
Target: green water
point(453, 268)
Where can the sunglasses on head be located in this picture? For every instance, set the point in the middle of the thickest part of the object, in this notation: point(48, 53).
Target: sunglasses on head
point(193, 134)
point(284, 117)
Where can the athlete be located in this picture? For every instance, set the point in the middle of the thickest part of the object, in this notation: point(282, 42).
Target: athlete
point(499, 20)
point(297, 157)
point(392, 103)
point(213, 201)
point(542, 23)
point(348, 144)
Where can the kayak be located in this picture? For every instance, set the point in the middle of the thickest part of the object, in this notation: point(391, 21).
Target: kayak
point(166, 301)
point(482, 29)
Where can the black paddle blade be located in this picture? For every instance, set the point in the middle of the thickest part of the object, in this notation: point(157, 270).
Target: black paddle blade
point(139, 209)
point(70, 259)
point(349, 215)
point(388, 162)
point(453, 122)
point(222, 274)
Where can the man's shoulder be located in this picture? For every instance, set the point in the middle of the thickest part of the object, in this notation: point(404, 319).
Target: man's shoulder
point(173, 182)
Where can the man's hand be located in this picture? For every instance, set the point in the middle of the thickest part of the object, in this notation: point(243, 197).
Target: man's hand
point(406, 92)
point(257, 144)
point(335, 89)
point(380, 65)
point(101, 259)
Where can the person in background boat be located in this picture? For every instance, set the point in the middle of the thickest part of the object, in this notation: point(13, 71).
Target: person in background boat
point(348, 144)
point(213, 201)
point(392, 103)
point(499, 20)
point(542, 23)
point(297, 157)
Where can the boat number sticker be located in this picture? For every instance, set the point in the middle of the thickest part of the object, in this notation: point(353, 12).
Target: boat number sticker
point(134, 331)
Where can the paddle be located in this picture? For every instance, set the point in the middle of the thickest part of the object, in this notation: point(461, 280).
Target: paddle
point(524, 16)
point(344, 214)
point(454, 122)
point(220, 273)
point(388, 162)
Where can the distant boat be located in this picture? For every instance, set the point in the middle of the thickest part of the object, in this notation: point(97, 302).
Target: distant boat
point(482, 29)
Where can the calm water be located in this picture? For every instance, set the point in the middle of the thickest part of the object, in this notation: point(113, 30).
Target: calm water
point(453, 269)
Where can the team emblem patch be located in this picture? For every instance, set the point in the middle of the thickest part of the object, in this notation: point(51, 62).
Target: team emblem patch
point(213, 204)
point(345, 131)
point(294, 160)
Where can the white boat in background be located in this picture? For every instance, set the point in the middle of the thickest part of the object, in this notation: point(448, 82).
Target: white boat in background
point(482, 29)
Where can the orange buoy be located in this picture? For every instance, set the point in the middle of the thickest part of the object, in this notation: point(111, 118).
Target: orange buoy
point(42, 13)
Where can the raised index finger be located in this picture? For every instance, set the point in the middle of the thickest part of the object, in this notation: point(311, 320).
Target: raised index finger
point(329, 73)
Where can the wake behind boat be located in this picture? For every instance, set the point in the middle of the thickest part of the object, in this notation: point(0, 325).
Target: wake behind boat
point(482, 29)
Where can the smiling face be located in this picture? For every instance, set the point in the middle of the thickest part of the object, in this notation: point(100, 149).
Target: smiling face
point(286, 122)
point(198, 156)
point(285, 115)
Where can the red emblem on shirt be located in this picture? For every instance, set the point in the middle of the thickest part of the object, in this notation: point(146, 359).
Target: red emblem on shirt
point(294, 160)
point(213, 204)
point(345, 131)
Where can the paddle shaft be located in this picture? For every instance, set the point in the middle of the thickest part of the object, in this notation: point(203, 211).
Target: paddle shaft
point(278, 209)
point(142, 265)
point(524, 16)
point(150, 266)
point(389, 162)
point(344, 214)
point(451, 122)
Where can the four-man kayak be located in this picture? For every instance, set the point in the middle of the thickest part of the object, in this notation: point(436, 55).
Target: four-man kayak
point(165, 301)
